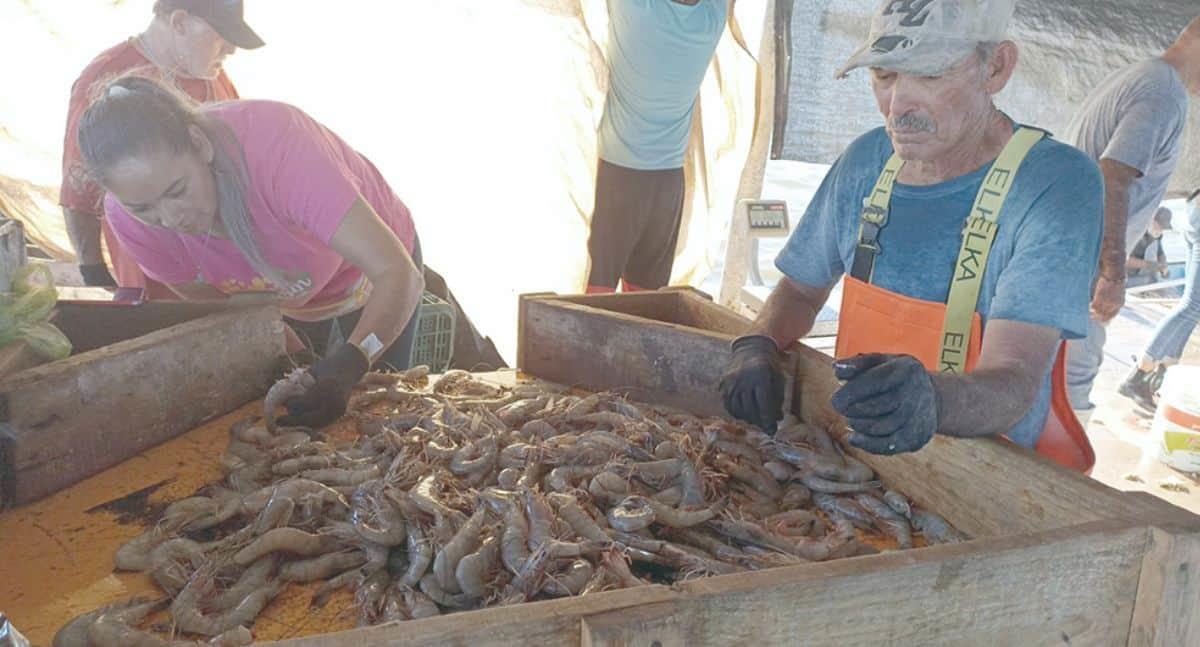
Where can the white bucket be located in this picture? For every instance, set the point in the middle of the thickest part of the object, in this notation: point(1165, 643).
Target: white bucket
point(1177, 420)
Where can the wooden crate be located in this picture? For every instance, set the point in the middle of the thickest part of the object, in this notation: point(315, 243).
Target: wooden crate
point(141, 375)
point(1056, 559)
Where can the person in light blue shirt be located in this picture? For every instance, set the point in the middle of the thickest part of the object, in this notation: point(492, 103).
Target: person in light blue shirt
point(659, 52)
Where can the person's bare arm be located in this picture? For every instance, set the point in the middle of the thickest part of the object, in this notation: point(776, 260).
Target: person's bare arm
point(396, 283)
point(1109, 294)
point(84, 231)
point(1013, 361)
point(789, 312)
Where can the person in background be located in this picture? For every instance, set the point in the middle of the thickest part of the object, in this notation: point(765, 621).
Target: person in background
point(251, 196)
point(1132, 125)
point(659, 51)
point(940, 332)
point(185, 45)
point(1173, 332)
point(1147, 262)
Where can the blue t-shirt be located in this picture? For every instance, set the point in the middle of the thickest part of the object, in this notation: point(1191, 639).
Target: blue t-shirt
point(658, 52)
point(1041, 265)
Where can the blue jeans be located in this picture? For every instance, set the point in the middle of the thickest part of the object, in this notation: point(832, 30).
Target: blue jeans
point(1173, 332)
point(1084, 357)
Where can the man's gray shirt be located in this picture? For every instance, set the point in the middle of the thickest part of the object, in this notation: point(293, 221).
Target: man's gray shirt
point(1136, 117)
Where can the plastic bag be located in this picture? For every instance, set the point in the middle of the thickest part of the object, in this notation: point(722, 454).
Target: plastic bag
point(9, 636)
point(25, 313)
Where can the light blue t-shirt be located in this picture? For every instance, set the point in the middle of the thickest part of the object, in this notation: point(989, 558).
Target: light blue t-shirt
point(658, 53)
point(1041, 264)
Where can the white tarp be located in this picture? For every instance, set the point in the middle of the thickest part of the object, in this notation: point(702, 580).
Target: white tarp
point(481, 113)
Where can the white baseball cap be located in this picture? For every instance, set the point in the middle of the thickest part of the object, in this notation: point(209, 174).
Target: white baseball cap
point(928, 37)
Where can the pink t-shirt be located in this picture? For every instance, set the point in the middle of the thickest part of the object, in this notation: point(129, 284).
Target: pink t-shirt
point(302, 181)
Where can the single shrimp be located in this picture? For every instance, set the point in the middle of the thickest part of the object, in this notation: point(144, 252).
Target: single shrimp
point(843, 509)
point(614, 562)
point(632, 514)
point(430, 587)
point(514, 548)
point(173, 562)
point(342, 475)
point(667, 449)
point(508, 477)
point(887, 520)
point(323, 567)
point(795, 495)
point(134, 555)
point(297, 383)
point(679, 517)
point(825, 486)
point(936, 529)
point(257, 576)
point(562, 478)
point(580, 521)
point(299, 464)
point(749, 474)
point(287, 540)
point(475, 457)
point(465, 541)
point(473, 570)
point(779, 470)
point(572, 581)
point(186, 608)
point(419, 605)
point(897, 502)
point(375, 516)
point(77, 632)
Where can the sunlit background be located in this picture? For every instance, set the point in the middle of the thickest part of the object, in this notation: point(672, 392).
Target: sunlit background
point(480, 113)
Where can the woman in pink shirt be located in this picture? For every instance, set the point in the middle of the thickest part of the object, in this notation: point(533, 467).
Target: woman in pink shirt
point(257, 196)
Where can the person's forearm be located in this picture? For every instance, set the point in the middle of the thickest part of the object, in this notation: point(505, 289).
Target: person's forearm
point(84, 231)
point(789, 313)
point(1116, 214)
point(1007, 391)
point(1136, 264)
point(395, 296)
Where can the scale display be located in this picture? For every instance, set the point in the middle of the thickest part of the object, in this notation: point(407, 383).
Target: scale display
point(768, 217)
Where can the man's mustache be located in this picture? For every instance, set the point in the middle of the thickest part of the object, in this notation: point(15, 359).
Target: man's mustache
point(911, 121)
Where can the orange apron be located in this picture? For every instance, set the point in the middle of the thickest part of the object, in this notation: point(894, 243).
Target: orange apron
point(875, 320)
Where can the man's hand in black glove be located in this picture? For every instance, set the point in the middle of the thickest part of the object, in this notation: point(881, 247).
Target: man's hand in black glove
point(753, 383)
point(97, 276)
point(889, 400)
point(325, 401)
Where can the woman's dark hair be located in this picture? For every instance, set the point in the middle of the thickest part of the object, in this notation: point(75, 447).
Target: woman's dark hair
point(137, 117)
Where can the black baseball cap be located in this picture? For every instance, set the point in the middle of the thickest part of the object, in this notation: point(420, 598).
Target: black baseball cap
point(226, 17)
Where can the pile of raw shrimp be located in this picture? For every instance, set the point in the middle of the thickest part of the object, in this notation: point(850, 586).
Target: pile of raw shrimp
point(458, 494)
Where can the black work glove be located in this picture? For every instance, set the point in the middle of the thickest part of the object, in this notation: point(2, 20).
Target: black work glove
point(889, 400)
point(97, 276)
point(753, 383)
point(325, 401)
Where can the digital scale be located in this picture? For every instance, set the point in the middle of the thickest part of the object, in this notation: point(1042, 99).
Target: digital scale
point(752, 221)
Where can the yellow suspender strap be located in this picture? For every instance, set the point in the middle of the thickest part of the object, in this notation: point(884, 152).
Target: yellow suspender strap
point(978, 236)
point(874, 217)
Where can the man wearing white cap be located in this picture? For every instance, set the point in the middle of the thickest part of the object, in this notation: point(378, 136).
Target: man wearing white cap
point(968, 241)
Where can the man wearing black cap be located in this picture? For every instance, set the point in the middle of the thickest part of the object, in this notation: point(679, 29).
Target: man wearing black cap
point(185, 45)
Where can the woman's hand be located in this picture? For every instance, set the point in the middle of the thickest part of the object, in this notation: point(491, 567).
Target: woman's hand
point(325, 401)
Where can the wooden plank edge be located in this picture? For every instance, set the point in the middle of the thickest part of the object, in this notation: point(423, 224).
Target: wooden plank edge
point(1167, 606)
point(61, 369)
point(566, 620)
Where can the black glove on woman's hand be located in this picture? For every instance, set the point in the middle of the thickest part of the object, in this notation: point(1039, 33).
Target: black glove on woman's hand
point(325, 401)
